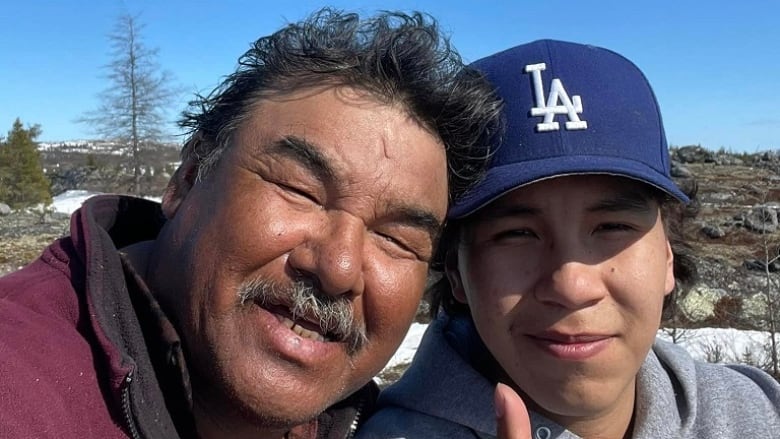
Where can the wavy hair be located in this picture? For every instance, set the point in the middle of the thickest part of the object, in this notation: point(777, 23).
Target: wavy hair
point(398, 58)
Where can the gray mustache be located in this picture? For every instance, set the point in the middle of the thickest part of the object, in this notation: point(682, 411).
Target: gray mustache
point(333, 313)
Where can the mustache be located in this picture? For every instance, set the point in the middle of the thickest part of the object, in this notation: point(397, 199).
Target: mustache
point(333, 314)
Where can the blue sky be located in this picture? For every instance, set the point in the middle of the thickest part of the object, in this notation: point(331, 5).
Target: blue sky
point(714, 65)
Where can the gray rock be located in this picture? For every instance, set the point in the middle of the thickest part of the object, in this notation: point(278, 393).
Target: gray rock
point(761, 219)
point(695, 154)
point(754, 265)
point(728, 160)
point(713, 232)
point(678, 170)
point(4, 209)
point(771, 156)
point(759, 265)
point(720, 196)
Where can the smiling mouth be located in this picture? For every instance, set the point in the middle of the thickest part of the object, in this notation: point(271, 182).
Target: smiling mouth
point(301, 331)
point(569, 339)
point(307, 313)
point(306, 327)
point(571, 347)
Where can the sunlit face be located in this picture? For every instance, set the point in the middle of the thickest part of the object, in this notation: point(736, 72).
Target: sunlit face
point(329, 186)
point(565, 279)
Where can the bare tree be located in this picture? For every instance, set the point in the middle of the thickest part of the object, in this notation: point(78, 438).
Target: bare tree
point(132, 107)
point(674, 320)
point(763, 220)
point(771, 298)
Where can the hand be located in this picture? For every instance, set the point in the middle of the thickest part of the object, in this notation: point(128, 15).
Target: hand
point(511, 415)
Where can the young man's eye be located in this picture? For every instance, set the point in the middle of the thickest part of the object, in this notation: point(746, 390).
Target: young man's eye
point(514, 233)
point(608, 227)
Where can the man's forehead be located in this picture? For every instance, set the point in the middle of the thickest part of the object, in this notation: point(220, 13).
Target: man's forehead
point(329, 167)
point(267, 120)
point(354, 141)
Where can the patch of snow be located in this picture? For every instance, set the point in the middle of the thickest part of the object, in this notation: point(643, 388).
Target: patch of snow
point(733, 345)
point(408, 347)
point(69, 201)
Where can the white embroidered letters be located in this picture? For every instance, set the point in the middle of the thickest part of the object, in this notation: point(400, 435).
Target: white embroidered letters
point(570, 107)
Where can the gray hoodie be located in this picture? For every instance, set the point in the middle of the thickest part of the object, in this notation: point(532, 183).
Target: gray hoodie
point(442, 395)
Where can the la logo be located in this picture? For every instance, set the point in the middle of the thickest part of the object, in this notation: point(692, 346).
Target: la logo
point(570, 107)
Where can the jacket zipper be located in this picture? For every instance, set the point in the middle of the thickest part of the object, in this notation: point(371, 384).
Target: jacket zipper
point(355, 421)
point(126, 410)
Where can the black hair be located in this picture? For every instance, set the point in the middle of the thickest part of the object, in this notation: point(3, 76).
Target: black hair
point(396, 57)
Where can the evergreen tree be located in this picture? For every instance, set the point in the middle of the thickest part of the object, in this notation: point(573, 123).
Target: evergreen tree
point(22, 181)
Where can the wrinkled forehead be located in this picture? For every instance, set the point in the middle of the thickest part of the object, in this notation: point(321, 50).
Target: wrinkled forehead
point(350, 140)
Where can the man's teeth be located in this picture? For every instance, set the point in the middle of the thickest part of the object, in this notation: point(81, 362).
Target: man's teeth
point(301, 331)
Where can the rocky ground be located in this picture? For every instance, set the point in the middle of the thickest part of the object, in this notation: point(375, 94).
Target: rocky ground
point(24, 234)
point(734, 236)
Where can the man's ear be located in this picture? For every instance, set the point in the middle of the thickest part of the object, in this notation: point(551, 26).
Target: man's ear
point(179, 186)
point(453, 276)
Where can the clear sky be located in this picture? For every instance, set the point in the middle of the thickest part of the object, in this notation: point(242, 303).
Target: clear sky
point(714, 65)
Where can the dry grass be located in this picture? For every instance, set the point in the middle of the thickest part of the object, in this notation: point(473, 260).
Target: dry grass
point(19, 251)
point(23, 236)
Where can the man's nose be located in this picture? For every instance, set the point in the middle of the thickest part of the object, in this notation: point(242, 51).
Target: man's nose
point(332, 255)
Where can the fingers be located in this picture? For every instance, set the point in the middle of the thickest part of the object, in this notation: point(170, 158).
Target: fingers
point(511, 415)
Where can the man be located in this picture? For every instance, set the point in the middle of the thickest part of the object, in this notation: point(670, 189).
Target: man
point(285, 263)
point(558, 264)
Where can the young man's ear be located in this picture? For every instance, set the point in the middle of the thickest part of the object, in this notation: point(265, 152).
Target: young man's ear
point(670, 280)
point(453, 276)
point(179, 186)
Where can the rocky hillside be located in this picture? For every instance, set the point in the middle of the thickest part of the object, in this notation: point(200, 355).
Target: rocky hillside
point(734, 234)
point(733, 231)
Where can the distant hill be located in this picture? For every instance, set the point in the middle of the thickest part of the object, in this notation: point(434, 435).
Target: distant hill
point(102, 166)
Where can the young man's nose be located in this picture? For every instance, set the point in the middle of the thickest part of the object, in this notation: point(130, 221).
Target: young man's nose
point(332, 256)
point(572, 284)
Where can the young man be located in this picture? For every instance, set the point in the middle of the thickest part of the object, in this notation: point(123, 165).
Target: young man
point(285, 263)
point(557, 266)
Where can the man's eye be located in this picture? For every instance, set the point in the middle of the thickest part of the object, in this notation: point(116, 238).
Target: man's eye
point(400, 248)
point(395, 241)
point(299, 192)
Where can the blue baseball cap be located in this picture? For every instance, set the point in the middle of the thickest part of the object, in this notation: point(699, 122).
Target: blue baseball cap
point(570, 109)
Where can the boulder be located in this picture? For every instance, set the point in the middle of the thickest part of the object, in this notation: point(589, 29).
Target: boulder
point(761, 219)
point(694, 154)
point(678, 170)
point(713, 232)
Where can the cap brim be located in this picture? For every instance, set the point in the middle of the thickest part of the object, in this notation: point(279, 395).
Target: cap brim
point(500, 180)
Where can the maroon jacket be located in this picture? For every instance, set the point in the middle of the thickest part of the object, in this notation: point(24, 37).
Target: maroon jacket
point(73, 359)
